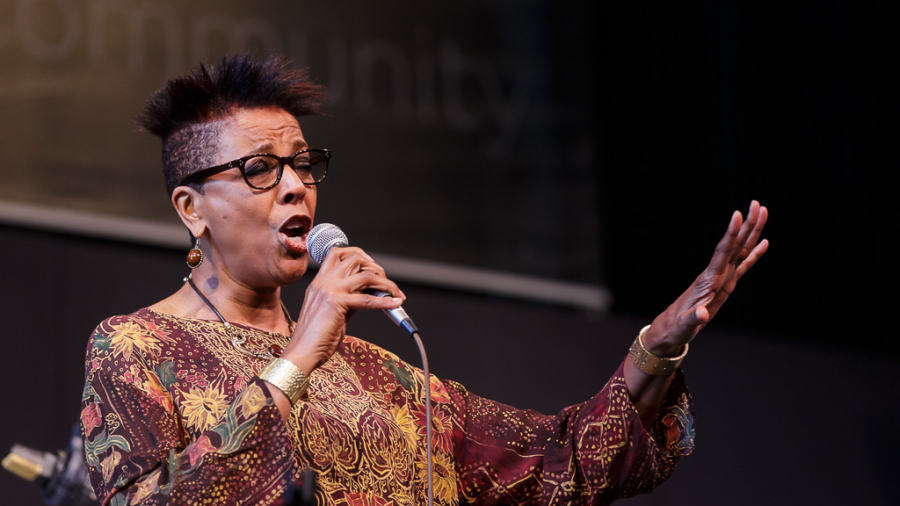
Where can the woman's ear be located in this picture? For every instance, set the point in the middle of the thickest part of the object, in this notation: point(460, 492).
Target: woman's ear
point(188, 203)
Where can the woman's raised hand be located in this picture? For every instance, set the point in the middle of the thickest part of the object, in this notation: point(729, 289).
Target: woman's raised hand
point(331, 298)
point(735, 254)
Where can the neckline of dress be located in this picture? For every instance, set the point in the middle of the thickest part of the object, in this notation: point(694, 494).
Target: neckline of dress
point(216, 323)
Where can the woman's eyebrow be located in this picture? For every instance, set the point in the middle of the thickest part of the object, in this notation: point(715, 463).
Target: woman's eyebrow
point(265, 147)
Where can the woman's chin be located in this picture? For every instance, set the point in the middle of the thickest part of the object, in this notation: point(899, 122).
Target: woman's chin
point(292, 270)
point(281, 272)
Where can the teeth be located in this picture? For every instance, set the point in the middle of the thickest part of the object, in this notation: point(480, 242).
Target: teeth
point(295, 228)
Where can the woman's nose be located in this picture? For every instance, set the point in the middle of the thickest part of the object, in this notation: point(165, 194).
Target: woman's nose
point(291, 186)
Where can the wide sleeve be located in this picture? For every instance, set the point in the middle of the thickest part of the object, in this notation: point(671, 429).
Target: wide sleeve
point(591, 453)
point(138, 451)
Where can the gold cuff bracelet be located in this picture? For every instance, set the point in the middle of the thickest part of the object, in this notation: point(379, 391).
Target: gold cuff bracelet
point(287, 377)
point(650, 363)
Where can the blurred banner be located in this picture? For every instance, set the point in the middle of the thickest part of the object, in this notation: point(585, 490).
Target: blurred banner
point(460, 130)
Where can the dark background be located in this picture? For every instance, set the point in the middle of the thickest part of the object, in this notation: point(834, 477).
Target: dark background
point(702, 106)
point(691, 110)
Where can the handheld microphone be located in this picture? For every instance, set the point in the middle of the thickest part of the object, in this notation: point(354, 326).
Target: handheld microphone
point(325, 236)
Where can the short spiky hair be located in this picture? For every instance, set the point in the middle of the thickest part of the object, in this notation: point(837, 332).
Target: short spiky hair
point(187, 112)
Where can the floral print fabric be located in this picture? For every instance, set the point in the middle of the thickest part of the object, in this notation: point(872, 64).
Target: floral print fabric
point(173, 414)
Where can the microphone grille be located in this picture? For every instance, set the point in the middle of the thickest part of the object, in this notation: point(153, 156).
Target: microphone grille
point(322, 238)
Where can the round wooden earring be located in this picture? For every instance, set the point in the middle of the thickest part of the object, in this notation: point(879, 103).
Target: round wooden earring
point(195, 257)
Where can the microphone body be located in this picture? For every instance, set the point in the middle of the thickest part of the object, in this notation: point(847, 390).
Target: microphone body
point(325, 236)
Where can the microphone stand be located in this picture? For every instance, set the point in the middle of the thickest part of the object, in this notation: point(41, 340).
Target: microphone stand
point(62, 477)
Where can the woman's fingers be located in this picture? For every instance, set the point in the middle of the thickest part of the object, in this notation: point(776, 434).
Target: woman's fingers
point(351, 260)
point(740, 238)
point(349, 256)
point(752, 238)
point(356, 301)
point(728, 286)
point(751, 259)
point(366, 280)
point(725, 290)
point(725, 249)
point(354, 264)
point(747, 228)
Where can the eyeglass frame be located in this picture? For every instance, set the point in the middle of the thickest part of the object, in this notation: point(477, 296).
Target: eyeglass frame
point(201, 175)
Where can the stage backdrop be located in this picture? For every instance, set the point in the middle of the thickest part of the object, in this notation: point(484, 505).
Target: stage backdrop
point(456, 137)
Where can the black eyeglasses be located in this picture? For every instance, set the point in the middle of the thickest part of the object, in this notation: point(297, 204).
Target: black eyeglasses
point(263, 170)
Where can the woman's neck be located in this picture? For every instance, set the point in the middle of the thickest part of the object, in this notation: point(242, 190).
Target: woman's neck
point(237, 302)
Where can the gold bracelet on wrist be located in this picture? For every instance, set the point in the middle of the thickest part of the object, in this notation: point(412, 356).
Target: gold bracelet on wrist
point(287, 377)
point(650, 363)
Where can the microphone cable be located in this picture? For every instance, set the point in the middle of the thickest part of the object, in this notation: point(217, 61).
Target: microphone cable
point(418, 339)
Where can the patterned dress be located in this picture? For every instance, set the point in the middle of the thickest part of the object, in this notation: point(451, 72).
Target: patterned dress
point(173, 414)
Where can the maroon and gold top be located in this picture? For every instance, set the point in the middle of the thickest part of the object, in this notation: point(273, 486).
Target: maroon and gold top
point(174, 414)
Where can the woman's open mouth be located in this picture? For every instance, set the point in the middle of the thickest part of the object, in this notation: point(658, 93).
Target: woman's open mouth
point(293, 234)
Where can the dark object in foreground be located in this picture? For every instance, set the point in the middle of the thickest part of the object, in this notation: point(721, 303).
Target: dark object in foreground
point(303, 494)
point(62, 476)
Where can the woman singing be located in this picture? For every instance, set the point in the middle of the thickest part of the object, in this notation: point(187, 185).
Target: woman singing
point(216, 395)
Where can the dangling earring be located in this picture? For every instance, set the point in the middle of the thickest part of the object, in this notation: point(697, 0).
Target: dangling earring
point(195, 256)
